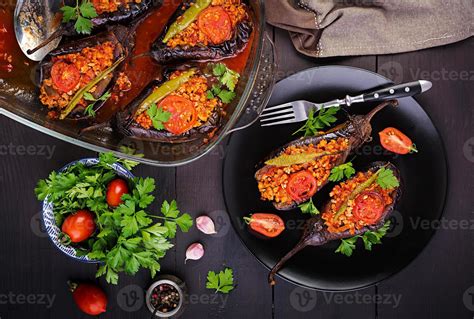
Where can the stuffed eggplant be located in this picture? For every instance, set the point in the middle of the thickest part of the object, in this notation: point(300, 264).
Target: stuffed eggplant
point(294, 173)
point(360, 204)
point(205, 30)
point(108, 12)
point(77, 78)
point(186, 105)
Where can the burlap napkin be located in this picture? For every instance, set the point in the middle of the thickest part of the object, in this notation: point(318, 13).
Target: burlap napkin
point(324, 28)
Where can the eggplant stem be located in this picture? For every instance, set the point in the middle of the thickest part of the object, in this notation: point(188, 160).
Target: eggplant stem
point(58, 33)
point(271, 278)
point(379, 107)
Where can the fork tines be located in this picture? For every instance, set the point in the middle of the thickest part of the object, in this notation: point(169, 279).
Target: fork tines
point(283, 112)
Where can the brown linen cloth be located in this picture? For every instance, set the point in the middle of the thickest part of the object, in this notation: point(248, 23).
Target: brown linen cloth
point(325, 28)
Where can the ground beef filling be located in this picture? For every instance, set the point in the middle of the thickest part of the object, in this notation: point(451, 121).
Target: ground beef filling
point(194, 90)
point(107, 6)
point(339, 195)
point(272, 183)
point(90, 62)
point(193, 36)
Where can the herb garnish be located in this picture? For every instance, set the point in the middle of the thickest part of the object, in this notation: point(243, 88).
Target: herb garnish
point(128, 237)
point(82, 13)
point(369, 238)
point(222, 282)
point(228, 79)
point(90, 98)
point(386, 179)
point(341, 171)
point(309, 208)
point(318, 120)
point(158, 116)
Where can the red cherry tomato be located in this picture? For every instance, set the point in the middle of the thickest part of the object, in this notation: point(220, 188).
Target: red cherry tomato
point(301, 185)
point(396, 142)
point(368, 207)
point(65, 76)
point(79, 226)
point(269, 225)
point(89, 298)
point(216, 24)
point(183, 114)
point(115, 190)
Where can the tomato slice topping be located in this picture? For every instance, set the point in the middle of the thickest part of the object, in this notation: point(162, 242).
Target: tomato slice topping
point(301, 185)
point(368, 207)
point(269, 225)
point(396, 142)
point(216, 24)
point(183, 114)
point(65, 76)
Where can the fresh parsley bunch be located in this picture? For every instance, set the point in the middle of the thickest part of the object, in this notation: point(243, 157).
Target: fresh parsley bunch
point(228, 80)
point(318, 120)
point(128, 237)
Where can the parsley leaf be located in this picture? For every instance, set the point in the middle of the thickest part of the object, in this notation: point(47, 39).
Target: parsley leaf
point(89, 111)
point(82, 13)
point(219, 69)
point(228, 80)
point(318, 120)
point(158, 116)
point(339, 172)
point(226, 96)
point(369, 238)
point(222, 282)
point(309, 208)
point(386, 179)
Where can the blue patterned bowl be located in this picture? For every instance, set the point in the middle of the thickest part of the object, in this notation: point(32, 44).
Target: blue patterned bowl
point(48, 215)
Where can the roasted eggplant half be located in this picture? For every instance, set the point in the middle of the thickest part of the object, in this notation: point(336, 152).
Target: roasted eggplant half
point(77, 78)
point(109, 12)
point(204, 30)
point(360, 204)
point(294, 173)
point(187, 104)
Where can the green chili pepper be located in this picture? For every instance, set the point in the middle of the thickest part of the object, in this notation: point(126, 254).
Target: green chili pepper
point(359, 189)
point(187, 18)
point(161, 92)
point(78, 96)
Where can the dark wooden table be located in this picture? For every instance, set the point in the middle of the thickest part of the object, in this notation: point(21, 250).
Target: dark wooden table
point(438, 284)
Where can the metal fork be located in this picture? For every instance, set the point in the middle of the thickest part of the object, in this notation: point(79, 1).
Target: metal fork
point(298, 111)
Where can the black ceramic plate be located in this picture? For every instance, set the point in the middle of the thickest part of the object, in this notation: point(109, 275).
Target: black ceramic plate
point(424, 177)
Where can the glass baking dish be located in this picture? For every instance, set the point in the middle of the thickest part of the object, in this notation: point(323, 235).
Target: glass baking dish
point(21, 104)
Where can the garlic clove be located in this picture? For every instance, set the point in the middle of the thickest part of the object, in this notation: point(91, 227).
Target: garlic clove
point(206, 225)
point(194, 252)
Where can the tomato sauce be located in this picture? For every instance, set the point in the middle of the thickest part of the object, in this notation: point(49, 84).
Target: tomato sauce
point(13, 63)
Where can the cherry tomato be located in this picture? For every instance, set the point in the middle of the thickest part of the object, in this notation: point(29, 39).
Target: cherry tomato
point(115, 190)
point(79, 226)
point(183, 114)
point(368, 207)
point(89, 298)
point(65, 76)
point(301, 185)
point(269, 225)
point(216, 24)
point(396, 142)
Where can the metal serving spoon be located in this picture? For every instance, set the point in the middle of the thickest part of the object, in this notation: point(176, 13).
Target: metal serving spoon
point(36, 21)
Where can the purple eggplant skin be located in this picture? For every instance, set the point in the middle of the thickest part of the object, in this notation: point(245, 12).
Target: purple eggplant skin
point(126, 125)
point(166, 55)
point(357, 130)
point(123, 15)
point(315, 233)
point(124, 40)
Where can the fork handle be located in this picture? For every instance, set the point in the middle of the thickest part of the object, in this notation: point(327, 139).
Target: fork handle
point(398, 91)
